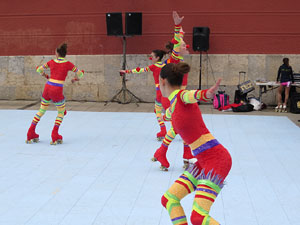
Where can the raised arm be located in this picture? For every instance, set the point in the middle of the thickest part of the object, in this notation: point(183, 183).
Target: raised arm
point(177, 37)
point(181, 35)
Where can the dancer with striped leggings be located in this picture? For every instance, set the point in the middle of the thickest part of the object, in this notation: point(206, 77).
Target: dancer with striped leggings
point(160, 102)
point(178, 48)
point(53, 91)
point(205, 177)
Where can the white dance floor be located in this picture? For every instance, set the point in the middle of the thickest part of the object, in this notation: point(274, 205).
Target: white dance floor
point(102, 173)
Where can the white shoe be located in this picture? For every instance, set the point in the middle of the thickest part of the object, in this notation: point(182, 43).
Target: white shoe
point(284, 109)
point(278, 108)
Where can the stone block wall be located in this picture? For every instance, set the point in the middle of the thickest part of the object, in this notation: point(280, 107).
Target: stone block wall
point(18, 79)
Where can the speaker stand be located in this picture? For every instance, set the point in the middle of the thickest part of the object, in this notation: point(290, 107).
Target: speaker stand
point(200, 71)
point(124, 96)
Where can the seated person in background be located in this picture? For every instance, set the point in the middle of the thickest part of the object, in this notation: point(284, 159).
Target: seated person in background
point(285, 74)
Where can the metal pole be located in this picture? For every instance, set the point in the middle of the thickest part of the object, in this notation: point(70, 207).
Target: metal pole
point(124, 67)
point(124, 53)
point(200, 72)
point(124, 60)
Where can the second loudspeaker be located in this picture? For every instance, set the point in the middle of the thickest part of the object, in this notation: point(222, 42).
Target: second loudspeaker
point(133, 23)
point(201, 38)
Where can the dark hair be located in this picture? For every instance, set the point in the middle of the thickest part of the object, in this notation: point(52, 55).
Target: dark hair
point(169, 47)
point(62, 50)
point(174, 73)
point(286, 61)
point(159, 53)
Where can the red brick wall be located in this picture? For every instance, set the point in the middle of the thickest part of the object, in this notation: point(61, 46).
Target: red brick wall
point(237, 26)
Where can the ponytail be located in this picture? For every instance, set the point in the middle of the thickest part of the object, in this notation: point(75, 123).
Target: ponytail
point(169, 47)
point(174, 73)
point(159, 53)
point(62, 50)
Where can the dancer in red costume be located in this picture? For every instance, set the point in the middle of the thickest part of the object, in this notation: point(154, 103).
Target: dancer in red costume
point(178, 49)
point(53, 91)
point(207, 175)
point(160, 102)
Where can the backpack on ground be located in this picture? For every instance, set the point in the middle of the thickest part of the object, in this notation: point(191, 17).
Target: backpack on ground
point(220, 100)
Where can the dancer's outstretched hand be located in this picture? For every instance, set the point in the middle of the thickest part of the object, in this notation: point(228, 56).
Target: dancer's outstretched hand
point(122, 72)
point(211, 92)
point(177, 19)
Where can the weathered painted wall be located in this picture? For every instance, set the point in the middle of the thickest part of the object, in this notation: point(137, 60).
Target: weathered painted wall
point(19, 80)
point(237, 26)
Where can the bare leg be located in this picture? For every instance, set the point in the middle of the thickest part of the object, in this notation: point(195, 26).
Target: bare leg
point(287, 92)
point(279, 97)
point(278, 108)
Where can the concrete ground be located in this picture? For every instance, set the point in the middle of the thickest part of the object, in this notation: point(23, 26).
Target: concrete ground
point(132, 107)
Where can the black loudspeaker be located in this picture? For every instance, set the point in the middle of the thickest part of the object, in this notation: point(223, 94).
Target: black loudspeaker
point(133, 23)
point(114, 24)
point(201, 38)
